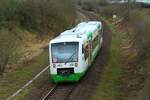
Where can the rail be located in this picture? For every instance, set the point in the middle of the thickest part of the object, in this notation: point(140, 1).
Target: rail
point(60, 92)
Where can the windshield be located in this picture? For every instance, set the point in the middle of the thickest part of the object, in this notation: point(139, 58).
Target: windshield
point(64, 52)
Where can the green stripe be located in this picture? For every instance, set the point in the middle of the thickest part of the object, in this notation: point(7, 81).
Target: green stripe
point(90, 35)
point(71, 78)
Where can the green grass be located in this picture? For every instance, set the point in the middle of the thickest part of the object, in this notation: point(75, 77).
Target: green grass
point(109, 86)
point(34, 87)
point(12, 81)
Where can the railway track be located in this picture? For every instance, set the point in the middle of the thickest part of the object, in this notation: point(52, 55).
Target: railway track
point(60, 92)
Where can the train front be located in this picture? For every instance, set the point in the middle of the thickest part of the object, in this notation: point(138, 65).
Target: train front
point(64, 59)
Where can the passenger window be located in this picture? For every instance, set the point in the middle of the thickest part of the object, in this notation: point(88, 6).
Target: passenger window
point(82, 49)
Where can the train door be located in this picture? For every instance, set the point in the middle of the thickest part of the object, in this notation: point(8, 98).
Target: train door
point(90, 52)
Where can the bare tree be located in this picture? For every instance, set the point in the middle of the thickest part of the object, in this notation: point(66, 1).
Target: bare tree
point(8, 43)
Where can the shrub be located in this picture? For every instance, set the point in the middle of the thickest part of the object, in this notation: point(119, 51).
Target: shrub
point(39, 15)
point(109, 10)
point(88, 5)
point(8, 48)
point(42, 16)
point(102, 2)
point(118, 9)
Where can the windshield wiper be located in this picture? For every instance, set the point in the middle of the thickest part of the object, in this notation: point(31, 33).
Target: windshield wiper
point(70, 57)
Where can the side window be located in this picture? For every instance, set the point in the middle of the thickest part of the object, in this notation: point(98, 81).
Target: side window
point(83, 49)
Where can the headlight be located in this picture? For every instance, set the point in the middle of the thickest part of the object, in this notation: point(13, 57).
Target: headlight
point(54, 65)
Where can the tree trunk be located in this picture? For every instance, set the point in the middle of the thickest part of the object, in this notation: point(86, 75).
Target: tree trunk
point(2, 66)
point(1, 73)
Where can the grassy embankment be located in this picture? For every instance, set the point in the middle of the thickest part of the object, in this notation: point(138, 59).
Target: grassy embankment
point(137, 71)
point(110, 84)
point(126, 75)
point(11, 81)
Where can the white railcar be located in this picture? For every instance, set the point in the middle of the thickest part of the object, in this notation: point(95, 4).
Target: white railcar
point(73, 51)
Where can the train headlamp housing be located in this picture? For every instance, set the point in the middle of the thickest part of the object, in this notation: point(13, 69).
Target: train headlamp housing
point(54, 65)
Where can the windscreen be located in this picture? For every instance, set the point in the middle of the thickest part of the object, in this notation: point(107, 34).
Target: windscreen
point(64, 52)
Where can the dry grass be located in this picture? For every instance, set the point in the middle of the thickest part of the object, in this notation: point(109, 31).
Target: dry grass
point(21, 75)
point(110, 84)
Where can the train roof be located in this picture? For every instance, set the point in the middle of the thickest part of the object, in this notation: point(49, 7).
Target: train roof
point(79, 32)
